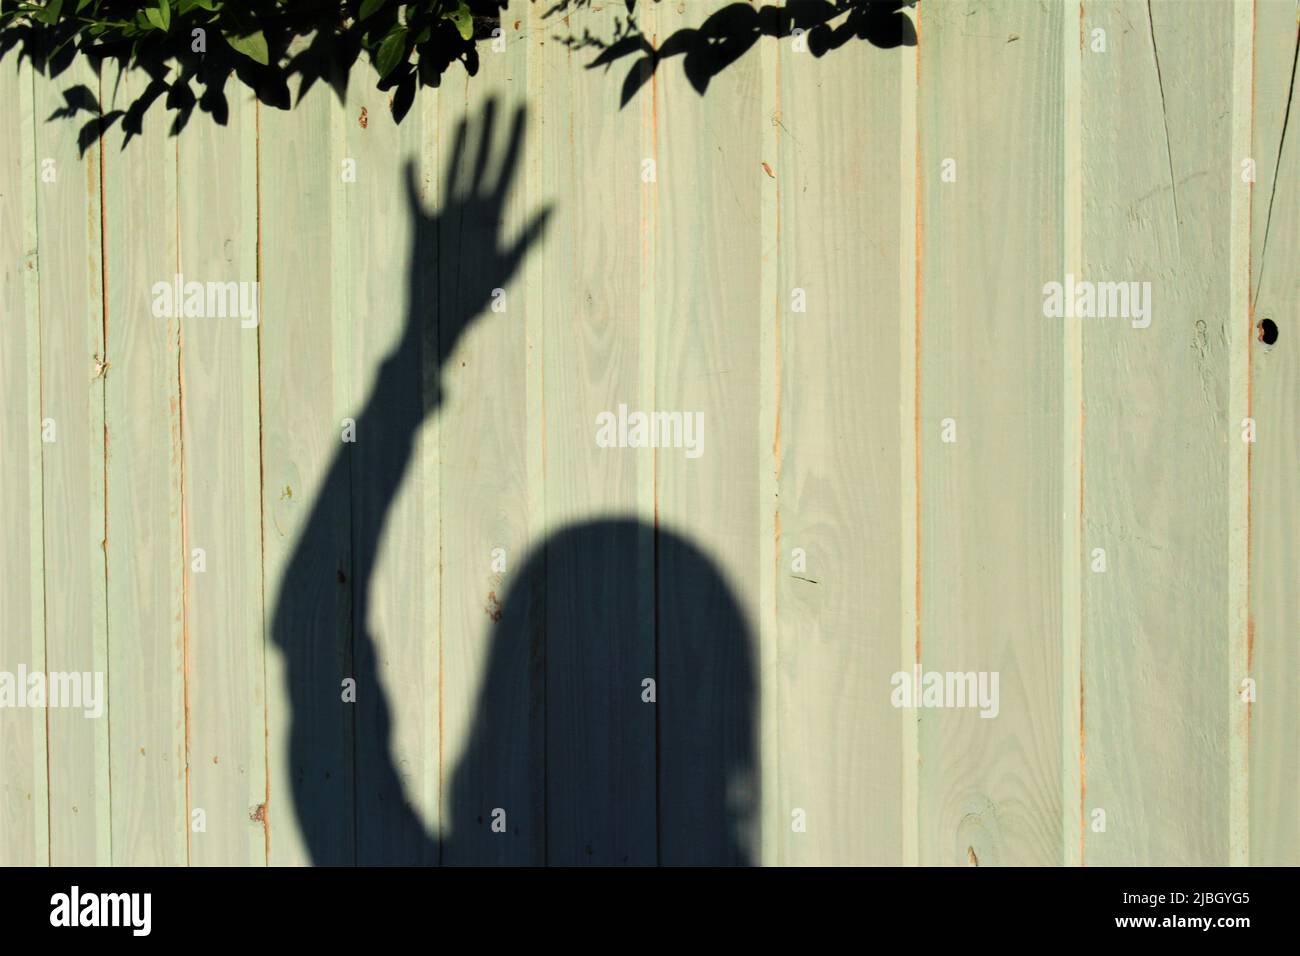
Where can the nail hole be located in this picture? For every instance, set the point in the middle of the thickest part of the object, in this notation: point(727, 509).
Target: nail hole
point(1268, 331)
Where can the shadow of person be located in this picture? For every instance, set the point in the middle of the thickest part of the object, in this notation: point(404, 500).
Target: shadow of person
point(611, 727)
point(348, 797)
point(581, 768)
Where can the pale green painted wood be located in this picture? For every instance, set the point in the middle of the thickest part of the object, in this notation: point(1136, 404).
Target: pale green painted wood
point(224, 636)
point(774, 813)
point(990, 502)
point(1156, 453)
point(1274, 662)
point(673, 294)
point(587, 316)
point(1274, 48)
point(303, 468)
point(838, 180)
point(493, 703)
point(24, 811)
point(707, 314)
point(143, 436)
point(73, 476)
point(397, 611)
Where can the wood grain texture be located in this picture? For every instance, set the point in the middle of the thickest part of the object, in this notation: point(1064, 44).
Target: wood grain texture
point(707, 312)
point(394, 617)
point(141, 384)
point(991, 363)
point(840, 475)
point(597, 559)
point(781, 252)
point(306, 492)
point(68, 218)
point(24, 809)
point(226, 743)
point(1273, 659)
point(1156, 166)
point(492, 664)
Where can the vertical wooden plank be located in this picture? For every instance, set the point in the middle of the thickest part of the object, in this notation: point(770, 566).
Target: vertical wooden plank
point(909, 399)
point(584, 281)
point(990, 99)
point(72, 397)
point(493, 664)
point(222, 555)
point(24, 809)
point(1072, 418)
point(839, 182)
point(1239, 335)
point(1157, 127)
point(306, 492)
point(708, 256)
point(1273, 656)
point(143, 441)
point(386, 294)
point(773, 804)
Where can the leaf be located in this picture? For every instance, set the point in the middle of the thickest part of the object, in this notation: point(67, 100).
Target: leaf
point(462, 19)
point(391, 52)
point(252, 46)
point(640, 74)
point(160, 16)
point(369, 8)
point(50, 12)
point(632, 43)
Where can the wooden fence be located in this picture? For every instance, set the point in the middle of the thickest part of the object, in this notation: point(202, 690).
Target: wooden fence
point(840, 262)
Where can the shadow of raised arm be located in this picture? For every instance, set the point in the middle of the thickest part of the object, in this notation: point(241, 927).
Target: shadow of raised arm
point(330, 745)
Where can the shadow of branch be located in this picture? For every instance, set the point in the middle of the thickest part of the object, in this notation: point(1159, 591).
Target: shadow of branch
point(728, 33)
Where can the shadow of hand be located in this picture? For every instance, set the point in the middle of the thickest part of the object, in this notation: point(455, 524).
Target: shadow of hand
point(460, 249)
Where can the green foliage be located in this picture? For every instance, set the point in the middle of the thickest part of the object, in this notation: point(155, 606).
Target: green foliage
point(419, 37)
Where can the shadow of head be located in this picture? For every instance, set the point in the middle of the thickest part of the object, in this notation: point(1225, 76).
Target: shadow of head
point(616, 721)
